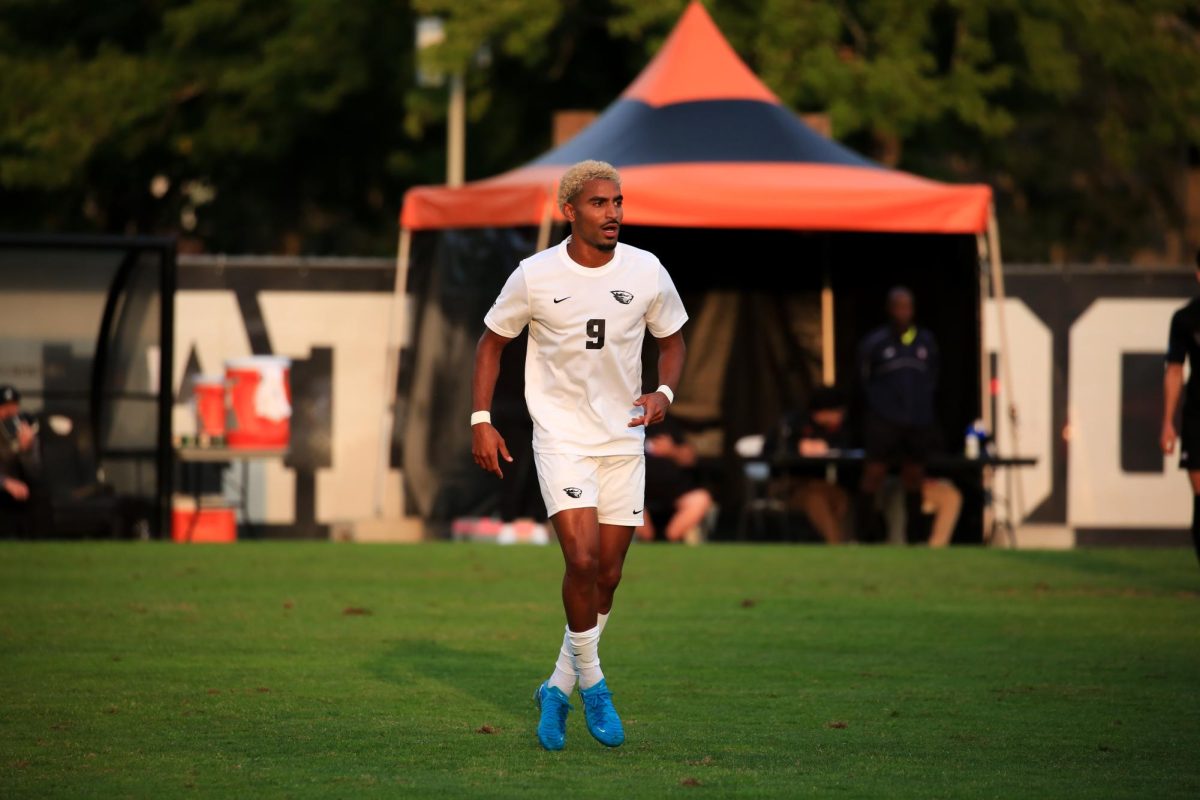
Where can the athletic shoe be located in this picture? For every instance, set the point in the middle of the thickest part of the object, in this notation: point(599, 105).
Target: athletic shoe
point(554, 706)
point(602, 719)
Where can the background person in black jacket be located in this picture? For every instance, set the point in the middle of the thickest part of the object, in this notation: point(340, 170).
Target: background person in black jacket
point(20, 467)
point(817, 430)
point(898, 367)
point(676, 505)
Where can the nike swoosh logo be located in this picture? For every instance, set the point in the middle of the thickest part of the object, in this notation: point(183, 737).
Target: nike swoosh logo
point(560, 299)
point(638, 511)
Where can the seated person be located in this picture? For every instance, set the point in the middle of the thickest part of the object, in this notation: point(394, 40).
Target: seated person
point(672, 497)
point(815, 432)
point(19, 467)
point(939, 497)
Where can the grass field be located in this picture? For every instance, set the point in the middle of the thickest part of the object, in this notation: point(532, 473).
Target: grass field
point(320, 670)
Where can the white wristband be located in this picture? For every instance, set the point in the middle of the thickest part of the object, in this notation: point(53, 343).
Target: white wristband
point(667, 391)
point(480, 416)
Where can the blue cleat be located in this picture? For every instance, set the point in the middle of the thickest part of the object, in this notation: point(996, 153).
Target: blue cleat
point(552, 727)
point(602, 719)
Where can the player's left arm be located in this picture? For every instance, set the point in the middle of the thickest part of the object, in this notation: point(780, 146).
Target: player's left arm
point(671, 353)
point(1177, 344)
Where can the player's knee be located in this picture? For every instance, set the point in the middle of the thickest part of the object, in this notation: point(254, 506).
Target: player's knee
point(583, 566)
point(608, 579)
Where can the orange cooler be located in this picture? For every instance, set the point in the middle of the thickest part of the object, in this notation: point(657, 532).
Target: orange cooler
point(260, 397)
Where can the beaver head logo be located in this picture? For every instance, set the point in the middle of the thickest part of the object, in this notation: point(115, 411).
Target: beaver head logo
point(573, 492)
point(624, 298)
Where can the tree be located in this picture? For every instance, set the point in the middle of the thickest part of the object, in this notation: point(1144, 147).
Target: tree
point(296, 124)
point(276, 125)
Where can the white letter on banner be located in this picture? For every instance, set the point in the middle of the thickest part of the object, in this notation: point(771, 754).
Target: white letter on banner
point(1100, 493)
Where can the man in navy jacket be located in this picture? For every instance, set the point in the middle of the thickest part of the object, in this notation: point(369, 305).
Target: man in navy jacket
point(898, 365)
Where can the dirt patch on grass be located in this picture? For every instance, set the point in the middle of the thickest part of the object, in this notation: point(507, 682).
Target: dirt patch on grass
point(355, 611)
point(837, 724)
point(487, 729)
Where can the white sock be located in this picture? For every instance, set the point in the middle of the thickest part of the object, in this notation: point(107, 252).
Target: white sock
point(585, 647)
point(565, 674)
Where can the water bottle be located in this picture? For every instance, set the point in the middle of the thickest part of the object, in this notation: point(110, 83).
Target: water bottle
point(976, 436)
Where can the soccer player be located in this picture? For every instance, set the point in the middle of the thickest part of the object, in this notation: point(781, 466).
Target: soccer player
point(588, 303)
point(1184, 343)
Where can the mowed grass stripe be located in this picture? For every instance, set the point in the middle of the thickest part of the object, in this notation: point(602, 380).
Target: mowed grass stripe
point(321, 670)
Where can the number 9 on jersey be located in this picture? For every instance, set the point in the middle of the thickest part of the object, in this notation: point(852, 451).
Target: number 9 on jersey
point(595, 332)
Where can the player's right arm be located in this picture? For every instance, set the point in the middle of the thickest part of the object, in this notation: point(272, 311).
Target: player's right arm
point(1173, 382)
point(508, 315)
point(487, 445)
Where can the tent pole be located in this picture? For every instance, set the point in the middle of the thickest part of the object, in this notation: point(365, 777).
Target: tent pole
point(397, 319)
point(828, 365)
point(543, 238)
point(985, 361)
point(1016, 490)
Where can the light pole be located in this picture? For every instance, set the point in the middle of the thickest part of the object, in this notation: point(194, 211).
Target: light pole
point(431, 32)
point(456, 131)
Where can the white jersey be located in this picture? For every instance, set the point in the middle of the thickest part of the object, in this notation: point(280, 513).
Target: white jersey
point(583, 369)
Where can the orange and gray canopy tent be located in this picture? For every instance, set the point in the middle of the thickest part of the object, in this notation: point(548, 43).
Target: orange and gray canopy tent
point(701, 143)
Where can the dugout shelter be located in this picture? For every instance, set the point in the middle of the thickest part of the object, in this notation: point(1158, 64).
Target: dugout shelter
point(86, 331)
point(782, 242)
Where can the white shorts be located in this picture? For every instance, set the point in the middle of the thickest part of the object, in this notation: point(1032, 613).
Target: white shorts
point(614, 485)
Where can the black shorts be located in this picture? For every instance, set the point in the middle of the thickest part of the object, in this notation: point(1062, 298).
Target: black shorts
point(666, 482)
point(1189, 443)
point(894, 443)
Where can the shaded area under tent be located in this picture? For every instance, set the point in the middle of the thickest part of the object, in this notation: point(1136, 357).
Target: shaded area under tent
point(755, 343)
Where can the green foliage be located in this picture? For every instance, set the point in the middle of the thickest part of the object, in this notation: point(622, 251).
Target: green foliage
point(305, 117)
point(320, 670)
point(291, 110)
point(1080, 113)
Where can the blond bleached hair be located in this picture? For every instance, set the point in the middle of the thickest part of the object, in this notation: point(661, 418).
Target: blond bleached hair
point(574, 178)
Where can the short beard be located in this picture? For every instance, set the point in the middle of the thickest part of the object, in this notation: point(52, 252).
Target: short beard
point(603, 245)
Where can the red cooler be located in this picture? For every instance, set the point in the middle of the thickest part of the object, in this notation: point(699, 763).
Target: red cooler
point(260, 397)
point(207, 525)
point(210, 405)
